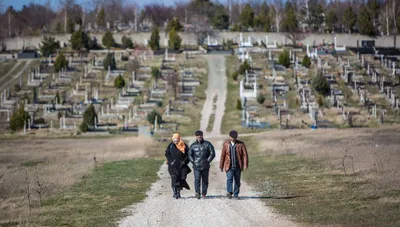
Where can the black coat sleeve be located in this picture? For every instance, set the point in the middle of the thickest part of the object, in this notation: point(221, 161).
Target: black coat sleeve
point(185, 158)
point(168, 153)
point(212, 152)
point(190, 154)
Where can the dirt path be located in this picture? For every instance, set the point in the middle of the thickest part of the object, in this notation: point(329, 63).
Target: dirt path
point(10, 78)
point(160, 209)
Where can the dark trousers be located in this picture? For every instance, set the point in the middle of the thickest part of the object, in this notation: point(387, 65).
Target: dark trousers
point(233, 175)
point(201, 175)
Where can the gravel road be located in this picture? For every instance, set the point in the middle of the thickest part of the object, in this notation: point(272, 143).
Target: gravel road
point(160, 209)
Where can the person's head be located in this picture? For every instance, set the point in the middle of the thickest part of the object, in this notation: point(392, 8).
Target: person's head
point(176, 138)
point(199, 136)
point(233, 135)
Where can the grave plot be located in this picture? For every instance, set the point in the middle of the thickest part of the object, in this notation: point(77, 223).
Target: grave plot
point(187, 79)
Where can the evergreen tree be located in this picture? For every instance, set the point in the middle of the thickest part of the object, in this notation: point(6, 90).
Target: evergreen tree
point(101, 18)
point(349, 19)
point(151, 117)
point(57, 98)
point(89, 118)
point(247, 16)
point(18, 119)
point(127, 42)
point(263, 21)
point(244, 67)
point(289, 22)
point(365, 22)
point(306, 61)
point(79, 40)
point(284, 59)
point(174, 24)
point(316, 17)
point(108, 40)
point(60, 63)
point(238, 105)
point(221, 20)
point(119, 82)
point(49, 46)
point(331, 20)
point(373, 9)
point(155, 73)
point(109, 61)
point(320, 84)
point(154, 42)
point(174, 40)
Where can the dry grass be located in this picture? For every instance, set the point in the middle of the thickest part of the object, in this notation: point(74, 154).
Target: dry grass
point(309, 165)
point(60, 163)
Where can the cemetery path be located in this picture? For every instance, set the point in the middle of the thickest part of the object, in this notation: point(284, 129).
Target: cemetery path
point(217, 87)
point(11, 80)
point(160, 209)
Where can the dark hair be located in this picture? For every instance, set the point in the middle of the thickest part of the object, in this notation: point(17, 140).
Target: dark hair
point(233, 134)
point(198, 133)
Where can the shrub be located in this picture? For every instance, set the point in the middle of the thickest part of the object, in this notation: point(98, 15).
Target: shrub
point(109, 61)
point(119, 82)
point(243, 67)
point(238, 105)
point(18, 119)
point(60, 63)
point(235, 75)
point(284, 59)
point(151, 117)
point(17, 88)
point(89, 118)
point(260, 99)
point(306, 61)
point(320, 84)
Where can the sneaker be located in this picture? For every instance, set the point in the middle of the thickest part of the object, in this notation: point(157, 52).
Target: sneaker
point(236, 197)
point(197, 195)
point(229, 195)
point(204, 196)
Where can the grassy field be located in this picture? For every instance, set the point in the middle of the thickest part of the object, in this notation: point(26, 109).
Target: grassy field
point(67, 166)
point(98, 199)
point(301, 175)
point(5, 67)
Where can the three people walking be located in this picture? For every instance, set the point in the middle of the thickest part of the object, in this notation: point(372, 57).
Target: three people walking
point(234, 159)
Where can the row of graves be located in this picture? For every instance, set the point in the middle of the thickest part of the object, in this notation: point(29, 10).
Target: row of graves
point(380, 70)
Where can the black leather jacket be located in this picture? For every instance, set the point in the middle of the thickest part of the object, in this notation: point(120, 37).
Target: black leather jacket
point(201, 154)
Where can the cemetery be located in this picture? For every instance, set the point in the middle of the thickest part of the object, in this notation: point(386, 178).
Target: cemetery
point(140, 91)
point(137, 93)
point(360, 86)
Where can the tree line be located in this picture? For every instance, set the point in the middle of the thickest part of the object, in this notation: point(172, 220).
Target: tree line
point(369, 17)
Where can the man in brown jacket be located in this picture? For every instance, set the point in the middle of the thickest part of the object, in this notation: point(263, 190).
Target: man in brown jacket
point(234, 159)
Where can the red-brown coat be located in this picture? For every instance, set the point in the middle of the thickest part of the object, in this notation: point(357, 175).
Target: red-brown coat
point(241, 154)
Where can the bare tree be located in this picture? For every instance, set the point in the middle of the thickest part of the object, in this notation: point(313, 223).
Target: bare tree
point(277, 9)
point(201, 27)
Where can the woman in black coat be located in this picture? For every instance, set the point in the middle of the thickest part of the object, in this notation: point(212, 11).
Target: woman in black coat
point(177, 160)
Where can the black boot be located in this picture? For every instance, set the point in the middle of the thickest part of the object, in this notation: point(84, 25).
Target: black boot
point(178, 193)
point(175, 193)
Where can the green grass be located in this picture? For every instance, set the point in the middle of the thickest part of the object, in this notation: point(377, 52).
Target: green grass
point(98, 199)
point(303, 189)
